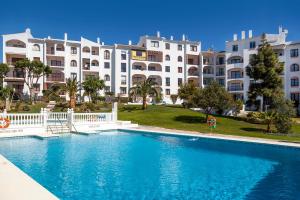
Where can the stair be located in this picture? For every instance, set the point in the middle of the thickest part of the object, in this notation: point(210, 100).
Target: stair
point(58, 129)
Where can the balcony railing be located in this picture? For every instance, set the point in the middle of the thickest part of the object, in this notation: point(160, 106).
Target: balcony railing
point(235, 77)
point(56, 79)
point(193, 73)
point(235, 88)
point(220, 74)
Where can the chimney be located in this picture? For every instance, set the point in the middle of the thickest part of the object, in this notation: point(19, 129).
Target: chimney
point(243, 35)
point(171, 38)
point(250, 34)
point(102, 43)
point(66, 36)
point(235, 37)
point(280, 29)
point(28, 30)
point(98, 40)
point(158, 34)
point(49, 37)
point(183, 37)
point(129, 42)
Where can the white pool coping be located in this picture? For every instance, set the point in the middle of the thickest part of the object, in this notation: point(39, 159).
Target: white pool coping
point(17, 185)
point(158, 130)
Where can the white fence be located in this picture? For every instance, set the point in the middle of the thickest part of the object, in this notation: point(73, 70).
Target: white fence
point(92, 117)
point(44, 118)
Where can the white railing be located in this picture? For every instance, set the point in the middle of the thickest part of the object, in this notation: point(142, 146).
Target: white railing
point(44, 118)
point(63, 116)
point(24, 119)
point(92, 117)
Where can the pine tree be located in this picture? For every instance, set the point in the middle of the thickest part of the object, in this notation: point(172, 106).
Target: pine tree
point(265, 70)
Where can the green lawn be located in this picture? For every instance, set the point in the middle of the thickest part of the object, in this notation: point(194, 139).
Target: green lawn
point(175, 117)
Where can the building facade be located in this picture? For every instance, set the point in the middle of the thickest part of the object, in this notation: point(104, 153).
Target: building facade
point(168, 62)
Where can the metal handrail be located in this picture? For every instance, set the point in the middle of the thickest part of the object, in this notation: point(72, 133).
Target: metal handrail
point(74, 127)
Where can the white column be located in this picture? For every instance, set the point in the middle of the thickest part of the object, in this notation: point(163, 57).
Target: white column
point(115, 112)
point(44, 117)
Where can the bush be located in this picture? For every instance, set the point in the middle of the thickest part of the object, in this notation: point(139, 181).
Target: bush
point(254, 117)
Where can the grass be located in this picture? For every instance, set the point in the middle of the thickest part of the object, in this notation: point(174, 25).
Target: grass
point(176, 117)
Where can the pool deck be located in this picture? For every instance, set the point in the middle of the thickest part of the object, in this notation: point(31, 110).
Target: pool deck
point(158, 130)
point(16, 185)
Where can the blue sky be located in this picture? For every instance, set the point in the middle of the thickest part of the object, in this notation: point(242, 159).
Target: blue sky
point(117, 21)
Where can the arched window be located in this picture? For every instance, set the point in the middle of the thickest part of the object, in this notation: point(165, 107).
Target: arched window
point(179, 59)
point(95, 63)
point(106, 54)
point(107, 77)
point(60, 47)
point(15, 43)
point(294, 81)
point(73, 63)
point(86, 50)
point(167, 57)
point(235, 60)
point(294, 68)
point(36, 47)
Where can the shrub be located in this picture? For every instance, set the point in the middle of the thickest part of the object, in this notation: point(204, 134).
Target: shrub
point(26, 108)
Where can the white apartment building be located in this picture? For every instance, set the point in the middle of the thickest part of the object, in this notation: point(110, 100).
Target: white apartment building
point(168, 62)
point(238, 52)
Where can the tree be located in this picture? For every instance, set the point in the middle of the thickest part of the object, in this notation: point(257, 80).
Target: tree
point(186, 92)
point(71, 88)
point(33, 71)
point(4, 69)
point(212, 98)
point(268, 118)
point(91, 87)
point(52, 93)
point(265, 70)
point(174, 98)
point(144, 89)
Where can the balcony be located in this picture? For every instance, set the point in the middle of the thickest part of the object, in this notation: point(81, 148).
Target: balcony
point(193, 59)
point(235, 76)
point(55, 78)
point(155, 56)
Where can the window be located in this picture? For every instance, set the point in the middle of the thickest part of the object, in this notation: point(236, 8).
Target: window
point(36, 87)
point(221, 82)
point(95, 63)
point(73, 63)
point(167, 58)
point(179, 59)
point(106, 65)
point(221, 61)
point(295, 97)
point(56, 63)
point(123, 55)
point(179, 47)
point(60, 47)
point(123, 80)
point(179, 81)
point(123, 90)
point(179, 69)
point(235, 47)
point(139, 53)
point(73, 50)
point(294, 68)
point(220, 72)
point(86, 50)
point(167, 68)
point(73, 76)
point(168, 81)
point(151, 68)
point(36, 47)
point(252, 45)
point(294, 53)
point(294, 82)
point(167, 45)
point(107, 77)
point(168, 92)
point(36, 59)
point(154, 44)
point(193, 48)
point(123, 67)
point(107, 88)
point(106, 55)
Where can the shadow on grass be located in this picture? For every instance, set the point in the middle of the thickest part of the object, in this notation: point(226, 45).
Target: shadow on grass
point(260, 130)
point(190, 119)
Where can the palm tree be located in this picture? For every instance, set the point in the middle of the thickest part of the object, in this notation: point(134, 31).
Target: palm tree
point(144, 89)
point(91, 87)
point(71, 88)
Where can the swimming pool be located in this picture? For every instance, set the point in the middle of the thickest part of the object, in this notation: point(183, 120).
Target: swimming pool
point(130, 165)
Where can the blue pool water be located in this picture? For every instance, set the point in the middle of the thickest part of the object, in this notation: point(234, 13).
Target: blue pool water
point(126, 165)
